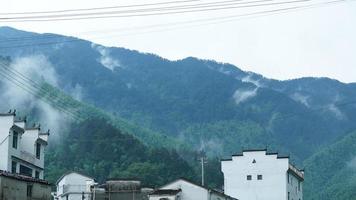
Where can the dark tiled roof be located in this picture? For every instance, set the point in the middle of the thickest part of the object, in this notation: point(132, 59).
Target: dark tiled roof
point(17, 128)
point(166, 192)
point(41, 141)
point(22, 178)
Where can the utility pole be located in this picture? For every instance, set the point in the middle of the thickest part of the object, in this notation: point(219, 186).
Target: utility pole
point(202, 162)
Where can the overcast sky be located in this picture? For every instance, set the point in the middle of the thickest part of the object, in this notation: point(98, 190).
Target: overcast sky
point(311, 42)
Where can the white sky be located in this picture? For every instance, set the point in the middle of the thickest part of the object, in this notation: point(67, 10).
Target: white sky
point(313, 42)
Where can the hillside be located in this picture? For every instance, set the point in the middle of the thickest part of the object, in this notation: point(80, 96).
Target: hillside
point(186, 104)
point(332, 171)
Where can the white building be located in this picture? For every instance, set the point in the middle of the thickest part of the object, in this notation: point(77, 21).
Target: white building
point(259, 175)
point(21, 148)
point(74, 186)
point(183, 189)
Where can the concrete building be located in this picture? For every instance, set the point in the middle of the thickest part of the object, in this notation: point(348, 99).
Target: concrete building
point(21, 147)
point(259, 175)
point(183, 189)
point(15, 186)
point(74, 186)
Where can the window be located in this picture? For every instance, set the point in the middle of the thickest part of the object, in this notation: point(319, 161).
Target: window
point(249, 177)
point(288, 196)
point(29, 190)
point(298, 185)
point(14, 139)
point(25, 171)
point(37, 174)
point(259, 177)
point(13, 167)
point(38, 150)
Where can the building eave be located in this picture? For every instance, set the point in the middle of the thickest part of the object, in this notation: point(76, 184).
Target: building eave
point(23, 178)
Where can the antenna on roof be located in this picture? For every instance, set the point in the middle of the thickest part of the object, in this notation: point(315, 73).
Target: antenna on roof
point(34, 125)
point(14, 111)
point(10, 111)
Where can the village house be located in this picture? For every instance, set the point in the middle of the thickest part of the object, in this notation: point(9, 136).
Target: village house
point(258, 174)
point(183, 189)
point(22, 159)
point(74, 186)
point(77, 186)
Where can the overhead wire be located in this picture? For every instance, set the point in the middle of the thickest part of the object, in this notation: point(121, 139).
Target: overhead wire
point(209, 21)
point(136, 14)
point(35, 90)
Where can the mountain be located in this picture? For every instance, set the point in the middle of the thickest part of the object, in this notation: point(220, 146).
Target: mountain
point(198, 104)
point(333, 171)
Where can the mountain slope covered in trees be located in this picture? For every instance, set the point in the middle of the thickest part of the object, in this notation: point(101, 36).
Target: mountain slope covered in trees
point(198, 104)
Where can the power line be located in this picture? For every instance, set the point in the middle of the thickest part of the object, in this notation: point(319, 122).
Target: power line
point(100, 8)
point(134, 12)
point(37, 92)
point(219, 20)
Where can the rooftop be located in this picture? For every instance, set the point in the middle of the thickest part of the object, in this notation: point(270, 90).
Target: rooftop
point(22, 178)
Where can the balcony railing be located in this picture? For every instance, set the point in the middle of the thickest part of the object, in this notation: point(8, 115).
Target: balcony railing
point(75, 188)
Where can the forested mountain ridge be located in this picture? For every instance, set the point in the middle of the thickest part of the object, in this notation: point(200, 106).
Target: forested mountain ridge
point(206, 105)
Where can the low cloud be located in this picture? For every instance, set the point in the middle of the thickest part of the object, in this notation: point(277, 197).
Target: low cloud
point(352, 164)
point(301, 98)
point(242, 95)
point(27, 71)
point(106, 59)
point(249, 79)
point(336, 111)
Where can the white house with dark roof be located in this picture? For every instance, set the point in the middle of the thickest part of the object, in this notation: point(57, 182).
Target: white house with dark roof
point(258, 174)
point(74, 186)
point(183, 189)
point(21, 147)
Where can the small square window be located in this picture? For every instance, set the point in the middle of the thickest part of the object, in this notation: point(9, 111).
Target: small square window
point(259, 177)
point(249, 177)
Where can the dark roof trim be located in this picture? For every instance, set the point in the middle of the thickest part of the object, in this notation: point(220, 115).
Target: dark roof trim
point(123, 179)
point(17, 129)
point(33, 128)
point(282, 157)
point(253, 150)
point(42, 141)
point(23, 178)
point(166, 192)
point(226, 159)
point(295, 175)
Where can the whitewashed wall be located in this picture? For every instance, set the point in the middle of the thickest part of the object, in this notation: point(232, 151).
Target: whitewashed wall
point(273, 185)
point(76, 184)
point(6, 123)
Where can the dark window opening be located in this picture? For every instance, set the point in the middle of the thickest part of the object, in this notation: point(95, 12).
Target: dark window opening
point(37, 174)
point(254, 161)
point(13, 167)
point(259, 177)
point(25, 171)
point(29, 190)
point(38, 150)
point(14, 139)
point(249, 177)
